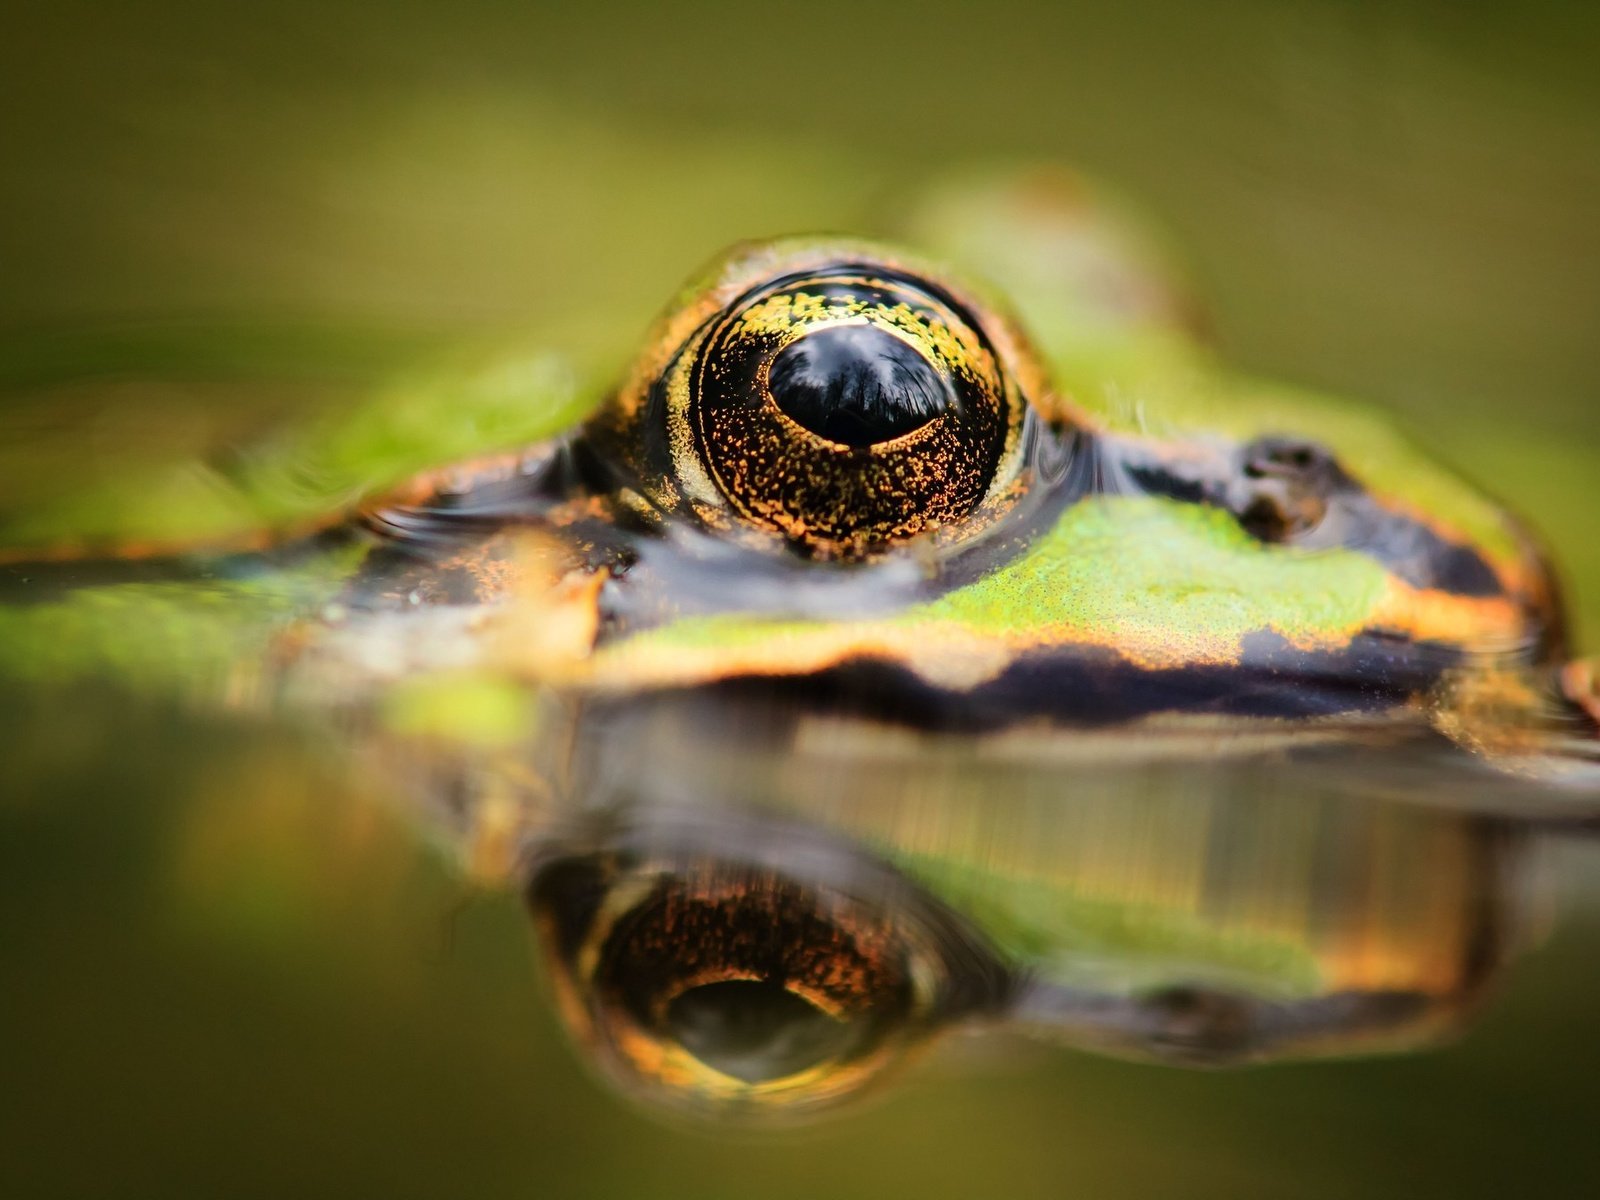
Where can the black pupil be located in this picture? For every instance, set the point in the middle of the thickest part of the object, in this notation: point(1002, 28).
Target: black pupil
point(857, 385)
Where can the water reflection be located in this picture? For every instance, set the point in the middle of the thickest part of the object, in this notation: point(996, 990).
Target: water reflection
point(751, 919)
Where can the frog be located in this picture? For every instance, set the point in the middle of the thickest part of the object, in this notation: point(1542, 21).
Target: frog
point(837, 466)
point(837, 470)
point(853, 479)
point(852, 514)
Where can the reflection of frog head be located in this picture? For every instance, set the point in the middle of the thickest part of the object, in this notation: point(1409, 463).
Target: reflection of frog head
point(741, 985)
point(743, 961)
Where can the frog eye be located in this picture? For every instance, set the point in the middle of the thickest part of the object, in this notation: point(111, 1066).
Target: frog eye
point(729, 988)
point(843, 402)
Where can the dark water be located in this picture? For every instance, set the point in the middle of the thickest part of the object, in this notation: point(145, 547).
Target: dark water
point(246, 957)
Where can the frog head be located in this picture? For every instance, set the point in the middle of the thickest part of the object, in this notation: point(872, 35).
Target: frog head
point(1013, 490)
point(839, 469)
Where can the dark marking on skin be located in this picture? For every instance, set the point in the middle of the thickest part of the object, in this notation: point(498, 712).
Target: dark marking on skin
point(1293, 492)
point(1151, 480)
point(1090, 687)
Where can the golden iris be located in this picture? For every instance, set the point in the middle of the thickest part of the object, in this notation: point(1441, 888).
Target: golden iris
point(836, 399)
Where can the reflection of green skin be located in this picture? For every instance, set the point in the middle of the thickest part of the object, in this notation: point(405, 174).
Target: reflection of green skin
point(1114, 945)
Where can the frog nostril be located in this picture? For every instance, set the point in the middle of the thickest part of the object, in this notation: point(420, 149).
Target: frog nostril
point(1283, 487)
point(1281, 457)
point(857, 385)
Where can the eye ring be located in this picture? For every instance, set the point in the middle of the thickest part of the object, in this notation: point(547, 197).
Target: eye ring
point(831, 396)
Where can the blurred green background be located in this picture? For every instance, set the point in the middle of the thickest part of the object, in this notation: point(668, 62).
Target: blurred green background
point(229, 971)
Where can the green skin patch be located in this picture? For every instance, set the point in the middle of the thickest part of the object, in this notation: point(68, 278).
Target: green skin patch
point(1164, 583)
point(177, 635)
point(202, 486)
point(1166, 579)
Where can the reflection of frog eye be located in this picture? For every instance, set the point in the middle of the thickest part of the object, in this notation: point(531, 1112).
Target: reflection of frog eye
point(732, 988)
point(837, 400)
